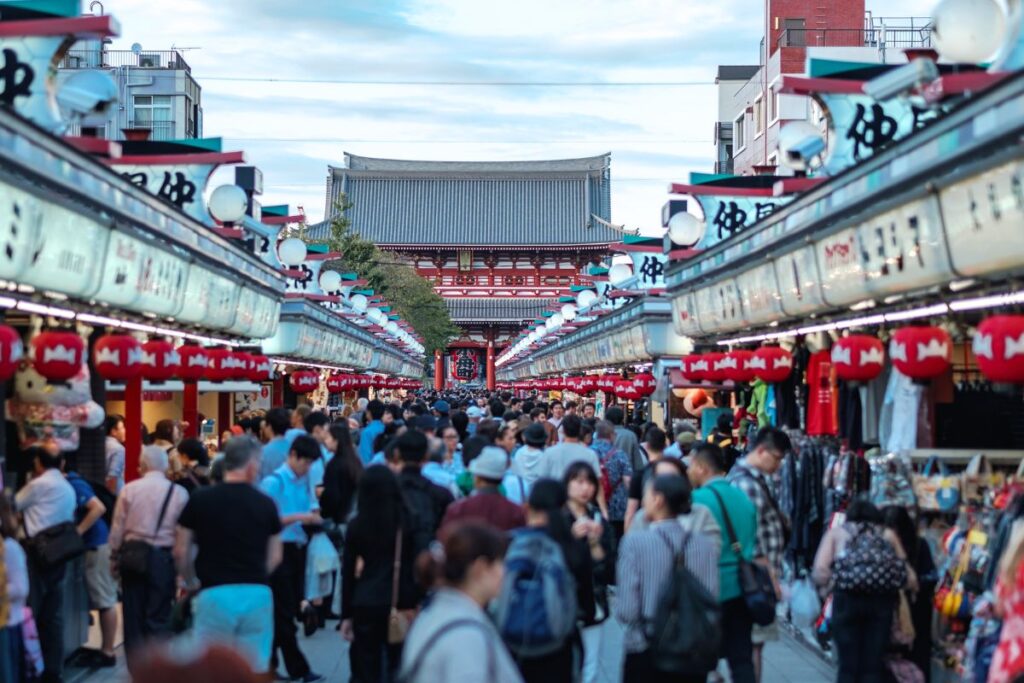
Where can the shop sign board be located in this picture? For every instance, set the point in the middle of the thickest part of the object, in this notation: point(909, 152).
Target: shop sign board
point(799, 282)
point(67, 255)
point(904, 249)
point(759, 294)
point(842, 273)
point(684, 315)
point(718, 307)
point(984, 219)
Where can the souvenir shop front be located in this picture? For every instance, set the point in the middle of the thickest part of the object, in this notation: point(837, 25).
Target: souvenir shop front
point(878, 317)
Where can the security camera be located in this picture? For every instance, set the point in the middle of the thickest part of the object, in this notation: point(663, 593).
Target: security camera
point(801, 145)
point(87, 92)
point(902, 80)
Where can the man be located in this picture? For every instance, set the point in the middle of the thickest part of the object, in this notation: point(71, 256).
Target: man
point(114, 447)
point(275, 448)
point(99, 581)
point(427, 500)
point(45, 502)
point(528, 461)
point(441, 412)
point(486, 502)
point(299, 416)
point(617, 468)
point(147, 510)
point(625, 439)
point(589, 411)
point(558, 458)
point(557, 413)
point(229, 541)
point(686, 436)
point(288, 486)
point(752, 475)
point(571, 408)
point(474, 414)
point(317, 425)
point(497, 410)
point(371, 431)
point(707, 474)
point(655, 443)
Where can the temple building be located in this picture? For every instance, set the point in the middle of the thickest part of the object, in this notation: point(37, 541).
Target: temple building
point(500, 240)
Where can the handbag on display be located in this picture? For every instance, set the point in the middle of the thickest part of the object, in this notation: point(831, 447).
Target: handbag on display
point(939, 491)
point(56, 545)
point(133, 556)
point(399, 620)
point(979, 480)
point(892, 480)
point(956, 595)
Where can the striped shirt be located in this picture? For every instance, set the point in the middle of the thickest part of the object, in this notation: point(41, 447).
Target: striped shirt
point(645, 566)
point(771, 527)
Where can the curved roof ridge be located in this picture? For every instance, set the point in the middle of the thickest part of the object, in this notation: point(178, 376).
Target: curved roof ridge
point(355, 162)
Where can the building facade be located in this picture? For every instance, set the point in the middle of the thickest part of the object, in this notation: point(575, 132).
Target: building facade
point(501, 241)
point(156, 89)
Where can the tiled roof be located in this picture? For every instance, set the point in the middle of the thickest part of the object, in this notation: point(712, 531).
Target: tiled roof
point(508, 309)
point(509, 203)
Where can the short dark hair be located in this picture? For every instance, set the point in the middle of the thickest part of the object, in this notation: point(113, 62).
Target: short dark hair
point(709, 454)
point(554, 403)
point(863, 510)
point(194, 449)
point(48, 461)
point(488, 429)
point(164, 430)
point(774, 439)
point(572, 426)
point(655, 438)
point(314, 420)
point(615, 415)
point(675, 463)
point(305, 447)
point(590, 404)
point(417, 409)
point(110, 424)
point(536, 412)
point(675, 490)
point(724, 423)
point(497, 408)
point(376, 409)
point(279, 419)
point(412, 447)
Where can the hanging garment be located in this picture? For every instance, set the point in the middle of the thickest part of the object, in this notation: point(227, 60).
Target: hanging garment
point(898, 421)
point(851, 422)
point(821, 413)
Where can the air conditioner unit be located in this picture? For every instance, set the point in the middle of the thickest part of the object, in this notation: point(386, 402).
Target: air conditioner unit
point(151, 61)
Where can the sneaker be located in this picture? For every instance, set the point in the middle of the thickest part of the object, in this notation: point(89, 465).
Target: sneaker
point(104, 661)
point(310, 678)
point(310, 620)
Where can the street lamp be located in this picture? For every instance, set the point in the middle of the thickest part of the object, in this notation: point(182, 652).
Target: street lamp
point(292, 252)
point(330, 280)
point(228, 204)
point(585, 298)
point(968, 31)
point(619, 273)
point(685, 229)
point(358, 303)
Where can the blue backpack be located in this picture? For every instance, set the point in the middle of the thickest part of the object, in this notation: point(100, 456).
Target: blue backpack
point(536, 611)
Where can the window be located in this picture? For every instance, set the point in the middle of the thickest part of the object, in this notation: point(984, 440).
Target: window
point(465, 261)
point(773, 105)
point(739, 132)
point(794, 33)
point(151, 109)
point(758, 115)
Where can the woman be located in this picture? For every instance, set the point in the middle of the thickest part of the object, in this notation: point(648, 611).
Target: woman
point(341, 476)
point(861, 621)
point(581, 484)
point(546, 511)
point(467, 570)
point(195, 465)
point(14, 594)
point(1007, 663)
point(166, 435)
point(513, 486)
point(920, 555)
point(460, 421)
point(381, 526)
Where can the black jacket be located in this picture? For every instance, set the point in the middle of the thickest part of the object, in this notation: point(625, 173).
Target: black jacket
point(366, 541)
point(427, 503)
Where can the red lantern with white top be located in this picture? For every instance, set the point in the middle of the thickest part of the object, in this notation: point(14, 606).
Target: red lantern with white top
point(59, 354)
point(195, 362)
point(261, 369)
point(772, 364)
point(117, 357)
point(160, 360)
point(304, 381)
point(12, 350)
point(606, 383)
point(695, 367)
point(999, 348)
point(858, 358)
point(626, 390)
point(334, 384)
point(737, 366)
point(588, 384)
point(645, 383)
point(241, 364)
point(717, 368)
point(921, 353)
point(221, 365)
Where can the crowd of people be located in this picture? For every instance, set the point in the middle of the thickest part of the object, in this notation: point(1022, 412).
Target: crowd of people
point(446, 537)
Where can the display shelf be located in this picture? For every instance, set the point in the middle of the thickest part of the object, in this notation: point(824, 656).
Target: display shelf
point(962, 456)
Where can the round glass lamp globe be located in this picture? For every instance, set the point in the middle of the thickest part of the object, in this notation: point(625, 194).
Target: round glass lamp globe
point(619, 273)
point(968, 31)
point(330, 280)
point(228, 203)
point(685, 229)
point(391, 328)
point(292, 251)
point(375, 315)
point(585, 298)
point(569, 312)
point(358, 302)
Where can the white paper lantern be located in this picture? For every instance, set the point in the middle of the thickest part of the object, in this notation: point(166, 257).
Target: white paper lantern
point(228, 203)
point(585, 298)
point(569, 312)
point(391, 328)
point(292, 252)
point(330, 280)
point(358, 302)
point(685, 229)
point(619, 273)
point(968, 31)
point(375, 316)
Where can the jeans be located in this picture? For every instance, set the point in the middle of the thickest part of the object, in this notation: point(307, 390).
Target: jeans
point(286, 584)
point(370, 653)
point(737, 649)
point(592, 652)
point(861, 628)
point(240, 616)
point(46, 594)
point(12, 655)
point(147, 601)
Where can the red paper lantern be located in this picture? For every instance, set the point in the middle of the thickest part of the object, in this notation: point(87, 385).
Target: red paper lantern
point(921, 352)
point(221, 365)
point(772, 364)
point(334, 384)
point(304, 381)
point(241, 364)
point(59, 355)
point(645, 383)
point(607, 383)
point(588, 384)
point(261, 369)
point(625, 390)
point(12, 350)
point(717, 370)
point(858, 358)
point(160, 360)
point(999, 348)
point(696, 367)
point(737, 367)
point(195, 362)
point(117, 357)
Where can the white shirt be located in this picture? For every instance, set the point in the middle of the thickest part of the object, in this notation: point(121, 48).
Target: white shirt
point(46, 501)
point(556, 460)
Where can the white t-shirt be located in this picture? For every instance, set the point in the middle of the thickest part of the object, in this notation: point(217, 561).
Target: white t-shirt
point(556, 460)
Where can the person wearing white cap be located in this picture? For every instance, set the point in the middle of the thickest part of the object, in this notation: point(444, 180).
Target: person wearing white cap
point(475, 414)
point(486, 503)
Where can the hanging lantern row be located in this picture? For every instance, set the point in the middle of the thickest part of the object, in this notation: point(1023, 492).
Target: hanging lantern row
point(639, 386)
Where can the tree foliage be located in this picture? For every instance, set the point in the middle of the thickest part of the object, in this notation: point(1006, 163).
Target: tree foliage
point(411, 296)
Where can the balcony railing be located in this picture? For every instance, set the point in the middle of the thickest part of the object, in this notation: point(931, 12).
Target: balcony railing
point(882, 38)
point(159, 130)
point(150, 59)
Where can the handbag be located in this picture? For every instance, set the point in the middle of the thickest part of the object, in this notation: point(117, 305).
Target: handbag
point(979, 480)
point(399, 620)
point(937, 491)
point(755, 580)
point(56, 545)
point(133, 557)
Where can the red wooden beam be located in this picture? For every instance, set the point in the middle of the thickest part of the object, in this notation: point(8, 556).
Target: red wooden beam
point(178, 159)
point(800, 85)
point(97, 146)
point(678, 254)
point(98, 26)
point(314, 256)
point(229, 233)
point(794, 185)
point(719, 190)
point(282, 220)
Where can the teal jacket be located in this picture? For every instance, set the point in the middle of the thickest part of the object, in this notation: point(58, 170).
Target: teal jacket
point(743, 515)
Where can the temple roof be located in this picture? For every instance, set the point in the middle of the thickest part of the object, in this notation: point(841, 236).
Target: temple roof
point(497, 310)
point(474, 203)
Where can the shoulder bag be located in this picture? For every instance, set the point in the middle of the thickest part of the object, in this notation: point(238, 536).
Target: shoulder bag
point(399, 620)
point(56, 545)
point(133, 558)
point(755, 580)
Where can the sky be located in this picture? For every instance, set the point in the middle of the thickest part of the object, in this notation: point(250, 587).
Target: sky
point(297, 84)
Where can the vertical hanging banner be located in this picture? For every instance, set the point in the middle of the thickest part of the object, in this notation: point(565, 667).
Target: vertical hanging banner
point(465, 364)
point(649, 260)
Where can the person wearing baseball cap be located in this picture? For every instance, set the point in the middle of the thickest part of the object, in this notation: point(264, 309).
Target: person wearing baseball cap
point(486, 503)
point(528, 460)
point(441, 411)
point(475, 414)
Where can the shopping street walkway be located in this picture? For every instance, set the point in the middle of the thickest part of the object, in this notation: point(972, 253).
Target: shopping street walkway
point(786, 661)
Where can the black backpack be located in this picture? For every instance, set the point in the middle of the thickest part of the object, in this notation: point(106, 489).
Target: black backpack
point(685, 634)
point(868, 565)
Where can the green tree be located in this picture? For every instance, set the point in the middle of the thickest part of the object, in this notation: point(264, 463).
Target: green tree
point(411, 296)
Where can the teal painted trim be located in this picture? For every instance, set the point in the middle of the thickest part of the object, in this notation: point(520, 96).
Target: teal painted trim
point(704, 178)
point(275, 210)
point(53, 8)
point(824, 68)
point(350, 276)
point(205, 144)
point(317, 248)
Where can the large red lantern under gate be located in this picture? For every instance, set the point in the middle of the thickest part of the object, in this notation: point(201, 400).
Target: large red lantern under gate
point(858, 358)
point(737, 366)
point(645, 383)
point(696, 367)
point(160, 360)
point(921, 352)
point(304, 381)
point(59, 355)
point(772, 364)
point(12, 350)
point(717, 368)
point(117, 357)
point(195, 362)
point(588, 384)
point(221, 366)
point(999, 348)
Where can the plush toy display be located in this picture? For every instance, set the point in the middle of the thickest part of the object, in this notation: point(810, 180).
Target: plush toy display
point(45, 411)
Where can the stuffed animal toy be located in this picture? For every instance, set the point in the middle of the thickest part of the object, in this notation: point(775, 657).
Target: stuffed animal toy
point(45, 411)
